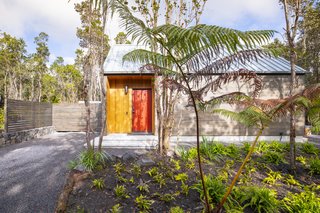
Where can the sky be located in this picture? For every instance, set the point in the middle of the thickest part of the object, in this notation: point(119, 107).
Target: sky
point(27, 18)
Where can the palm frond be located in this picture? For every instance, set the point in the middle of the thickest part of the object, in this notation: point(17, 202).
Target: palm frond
point(134, 26)
point(242, 75)
point(149, 57)
point(230, 98)
point(251, 116)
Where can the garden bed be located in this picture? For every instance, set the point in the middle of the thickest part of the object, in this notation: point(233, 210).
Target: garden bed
point(172, 184)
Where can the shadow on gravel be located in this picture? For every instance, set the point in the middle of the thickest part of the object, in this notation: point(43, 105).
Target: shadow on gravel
point(32, 173)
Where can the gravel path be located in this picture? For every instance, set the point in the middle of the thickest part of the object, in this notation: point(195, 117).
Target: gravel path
point(33, 173)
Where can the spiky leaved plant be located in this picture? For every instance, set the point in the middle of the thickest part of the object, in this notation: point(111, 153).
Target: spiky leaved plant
point(191, 55)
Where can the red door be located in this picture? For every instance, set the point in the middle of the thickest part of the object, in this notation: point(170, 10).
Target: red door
point(141, 110)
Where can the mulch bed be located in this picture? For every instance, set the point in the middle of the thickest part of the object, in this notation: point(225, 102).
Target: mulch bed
point(87, 198)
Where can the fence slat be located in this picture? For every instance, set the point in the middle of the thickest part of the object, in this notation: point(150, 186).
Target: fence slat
point(23, 115)
point(72, 117)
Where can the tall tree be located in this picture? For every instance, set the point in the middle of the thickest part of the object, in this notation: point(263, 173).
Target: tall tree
point(41, 58)
point(309, 44)
point(193, 55)
point(93, 15)
point(292, 13)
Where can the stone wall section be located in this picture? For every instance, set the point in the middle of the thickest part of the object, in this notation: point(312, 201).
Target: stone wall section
point(24, 135)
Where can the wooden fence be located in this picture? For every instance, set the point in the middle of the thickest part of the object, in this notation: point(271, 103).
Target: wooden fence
point(71, 117)
point(24, 115)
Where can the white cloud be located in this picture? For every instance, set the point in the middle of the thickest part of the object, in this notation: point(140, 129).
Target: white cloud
point(55, 17)
point(233, 13)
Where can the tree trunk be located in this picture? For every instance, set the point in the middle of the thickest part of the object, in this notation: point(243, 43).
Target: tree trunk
point(87, 77)
point(291, 34)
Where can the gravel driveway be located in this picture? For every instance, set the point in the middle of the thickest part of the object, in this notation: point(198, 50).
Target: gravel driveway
point(33, 173)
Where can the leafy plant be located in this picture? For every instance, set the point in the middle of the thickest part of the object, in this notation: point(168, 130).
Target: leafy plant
point(122, 179)
point(176, 164)
point(116, 208)
point(160, 179)
point(121, 191)
point(131, 180)
point(190, 165)
point(167, 197)
point(136, 169)
point(184, 188)
point(188, 154)
point(247, 173)
point(246, 147)
point(176, 209)
point(152, 172)
point(73, 164)
point(272, 177)
point(215, 187)
point(212, 150)
point(309, 148)
point(277, 146)
point(302, 160)
point(273, 157)
point(98, 183)
point(315, 166)
point(143, 203)
point(289, 180)
point(91, 159)
point(259, 199)
point(232, 151)
point(262, 147)
point(306, 201)
point(143, 186)
point(118, 168)
point(181, 177)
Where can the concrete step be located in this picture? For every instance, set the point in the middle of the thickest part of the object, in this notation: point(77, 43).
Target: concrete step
point(121, 141)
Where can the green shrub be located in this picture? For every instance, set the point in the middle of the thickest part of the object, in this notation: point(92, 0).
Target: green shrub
point(302, 160)
point(119, 168)
point(116, 208)
point(215, 188)
point(176, 209)
point(277, 146)
point(98, 183)
point(306, 201)
point(121, 191)
point(272, 177)
point(143, 186)
point(262, 147)
point(91, 159)
point(213, 150)
point(1, 118)
point(233, 151)
point(187, 155)
point(246, 147)
point(309, 148)
point(143, 203)
point(259, 199)
point(273, 157)
point(315, 166)
point(181, 177)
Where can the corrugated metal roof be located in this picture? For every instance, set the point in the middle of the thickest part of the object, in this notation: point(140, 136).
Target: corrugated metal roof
point(114, 64)
point(267, 65)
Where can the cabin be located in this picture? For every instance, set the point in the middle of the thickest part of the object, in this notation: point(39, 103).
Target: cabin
point(131, 106)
